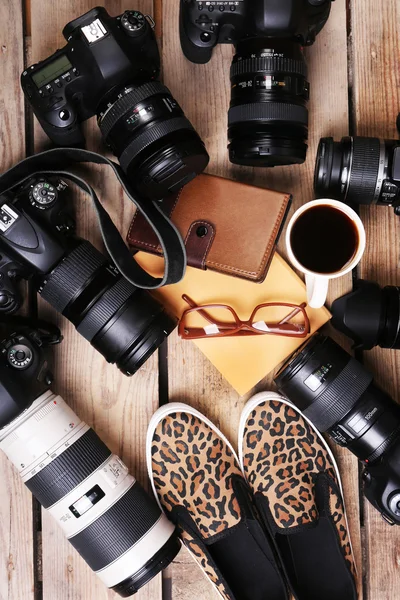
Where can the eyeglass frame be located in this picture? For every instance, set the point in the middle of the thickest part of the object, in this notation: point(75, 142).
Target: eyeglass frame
point(243, 328)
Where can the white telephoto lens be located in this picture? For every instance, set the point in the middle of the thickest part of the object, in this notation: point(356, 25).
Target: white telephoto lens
point(105, 514)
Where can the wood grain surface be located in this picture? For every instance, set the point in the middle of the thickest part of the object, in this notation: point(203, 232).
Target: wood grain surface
point(16, 522)
point(355, 80)
point(376, 104)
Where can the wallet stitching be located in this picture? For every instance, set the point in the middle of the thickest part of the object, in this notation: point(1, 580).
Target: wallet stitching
point(139, 242)
point(216, 264)
point(267, 251)
point(206, 224)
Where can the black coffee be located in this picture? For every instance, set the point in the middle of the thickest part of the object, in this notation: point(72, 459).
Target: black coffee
point(324, 239)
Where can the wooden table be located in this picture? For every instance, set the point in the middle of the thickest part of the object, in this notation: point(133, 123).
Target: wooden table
point(355, 80)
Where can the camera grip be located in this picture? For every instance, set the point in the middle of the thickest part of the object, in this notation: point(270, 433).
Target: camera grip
point(193, 52)
point(10, 298)
point(48, 163)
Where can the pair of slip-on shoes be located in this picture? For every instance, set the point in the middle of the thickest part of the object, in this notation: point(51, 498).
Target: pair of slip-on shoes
point(274, 514)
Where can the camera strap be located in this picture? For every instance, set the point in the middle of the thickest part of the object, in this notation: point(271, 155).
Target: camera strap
point(48, 163)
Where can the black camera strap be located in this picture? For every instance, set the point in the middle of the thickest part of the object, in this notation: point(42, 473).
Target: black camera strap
point(48, 163)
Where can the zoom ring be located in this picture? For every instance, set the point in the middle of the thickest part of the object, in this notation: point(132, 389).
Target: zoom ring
point(151, 135)
point(364, 171)
point(114, 532)
point(268, 111)
point(128, 101)
point(276, 65)
point(107, 305)
point(69, 469)
point(71, 274)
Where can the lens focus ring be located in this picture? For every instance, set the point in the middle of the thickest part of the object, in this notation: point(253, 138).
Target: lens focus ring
point(151, 135)
point(127, 102)
point(268, 111)
point(277, 65)
point(365, 170)
point(71, 275)
point(105, 308)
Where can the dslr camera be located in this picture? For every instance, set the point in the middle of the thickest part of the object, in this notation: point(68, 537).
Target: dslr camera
point(338, 395)
point(38, 241)
point(104, 513)
point(359, 170)
point(268, 116)
point(108, 68)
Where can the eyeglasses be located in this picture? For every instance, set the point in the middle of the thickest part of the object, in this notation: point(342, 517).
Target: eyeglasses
point(220, 320)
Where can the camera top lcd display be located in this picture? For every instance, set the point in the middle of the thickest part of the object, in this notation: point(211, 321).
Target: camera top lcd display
point(52, 70)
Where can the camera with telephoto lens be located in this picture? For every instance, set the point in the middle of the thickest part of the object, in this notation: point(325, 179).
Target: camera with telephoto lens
point(369, 315)
point(338, 395)
point(108, 68)
point(37, 241)
point(359, 170)
point(268, 116)
point(103, 511)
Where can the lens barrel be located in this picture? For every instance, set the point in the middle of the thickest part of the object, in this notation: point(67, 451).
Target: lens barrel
point(125, 324)
point(155, 143)
point(268, 116)
point(106, 515)
point(338, 395)
point(356, 170)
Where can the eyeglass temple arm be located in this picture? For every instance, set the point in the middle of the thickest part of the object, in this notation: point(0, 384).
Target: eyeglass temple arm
point(292, 314)
point(206, 316)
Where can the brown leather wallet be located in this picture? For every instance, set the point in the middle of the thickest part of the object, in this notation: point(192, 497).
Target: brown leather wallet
point(229, 227)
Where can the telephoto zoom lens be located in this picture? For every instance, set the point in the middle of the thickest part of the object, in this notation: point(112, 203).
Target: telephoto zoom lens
point(358, 170)
point(155, 143)
point(124, 323)
point(104, 512)
point(268, 116)
point(339, 396)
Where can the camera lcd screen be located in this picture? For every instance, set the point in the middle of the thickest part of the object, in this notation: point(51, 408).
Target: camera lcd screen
point(52, 71)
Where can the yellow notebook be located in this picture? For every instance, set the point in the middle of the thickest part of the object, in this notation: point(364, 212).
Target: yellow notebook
point(243, 361)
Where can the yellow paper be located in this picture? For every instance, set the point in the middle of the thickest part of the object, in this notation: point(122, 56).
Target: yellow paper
point(243, 361)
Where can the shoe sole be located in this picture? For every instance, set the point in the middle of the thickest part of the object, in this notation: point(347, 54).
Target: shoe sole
point(271, 396)
point(159, 415)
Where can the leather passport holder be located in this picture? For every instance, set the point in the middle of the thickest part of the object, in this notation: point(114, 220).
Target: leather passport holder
point(228, 227)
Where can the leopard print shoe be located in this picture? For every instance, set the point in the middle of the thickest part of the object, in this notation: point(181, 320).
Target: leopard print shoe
point(296, 484)
point(197, 480)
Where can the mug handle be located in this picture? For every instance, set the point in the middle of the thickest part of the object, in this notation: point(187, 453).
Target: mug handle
point(317, 290)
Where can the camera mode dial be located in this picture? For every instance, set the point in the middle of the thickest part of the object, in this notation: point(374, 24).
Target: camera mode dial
point(43, 195)
point(133, 22)
point(19, 355)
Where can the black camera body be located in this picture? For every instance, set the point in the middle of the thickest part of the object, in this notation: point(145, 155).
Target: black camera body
point(102, 53)
point(340, 398)
point(203, 25)
point(108, 68)
point(268, 115)
point(38, 242)
point(25, 367)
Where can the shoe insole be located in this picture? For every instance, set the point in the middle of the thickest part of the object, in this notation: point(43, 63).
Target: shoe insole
point(315, 564)
point(246, 562)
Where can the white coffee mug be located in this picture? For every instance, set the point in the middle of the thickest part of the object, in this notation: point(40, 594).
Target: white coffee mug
point(317, 283)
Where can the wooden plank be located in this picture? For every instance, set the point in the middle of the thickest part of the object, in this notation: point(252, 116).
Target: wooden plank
point(118, 408)
point(204, 93)
point(376, 49)
point(16, 527)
